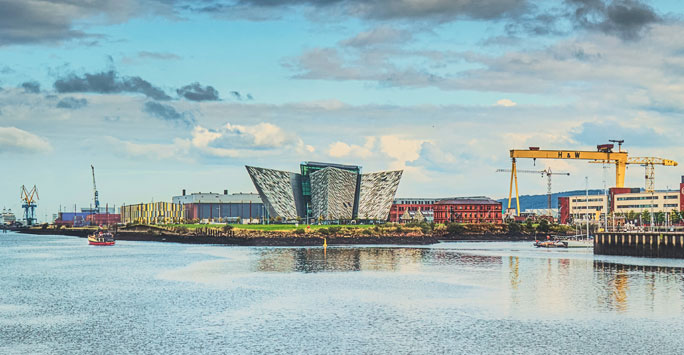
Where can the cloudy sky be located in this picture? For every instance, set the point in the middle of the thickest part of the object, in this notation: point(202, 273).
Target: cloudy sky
point(162, 95)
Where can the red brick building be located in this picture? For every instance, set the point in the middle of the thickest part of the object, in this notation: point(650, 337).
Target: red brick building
point(401, 205)
point(468, 210)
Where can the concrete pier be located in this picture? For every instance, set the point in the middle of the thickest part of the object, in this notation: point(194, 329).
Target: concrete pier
point(646, 244)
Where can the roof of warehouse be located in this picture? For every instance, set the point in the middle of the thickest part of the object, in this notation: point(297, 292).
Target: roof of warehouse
point(479, 200)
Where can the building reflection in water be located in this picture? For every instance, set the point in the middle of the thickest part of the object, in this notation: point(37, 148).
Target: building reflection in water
point(310, 260)
point(653, 285)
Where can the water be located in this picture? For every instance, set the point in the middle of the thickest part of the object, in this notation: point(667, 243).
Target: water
point(59, 295)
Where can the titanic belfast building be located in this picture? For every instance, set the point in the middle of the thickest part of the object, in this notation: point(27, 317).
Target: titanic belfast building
point(326, 191)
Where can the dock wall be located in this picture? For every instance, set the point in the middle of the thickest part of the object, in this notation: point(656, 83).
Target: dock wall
point(645, 244)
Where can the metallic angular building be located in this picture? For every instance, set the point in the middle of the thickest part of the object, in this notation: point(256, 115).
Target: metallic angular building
point(326, 191)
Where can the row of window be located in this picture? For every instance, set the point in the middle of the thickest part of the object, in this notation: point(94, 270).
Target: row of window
point(585, 200)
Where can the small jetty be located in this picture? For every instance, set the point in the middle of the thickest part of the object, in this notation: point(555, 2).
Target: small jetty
point(644, 244)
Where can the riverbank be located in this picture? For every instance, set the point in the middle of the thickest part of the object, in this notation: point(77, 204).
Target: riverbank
point(280, 238)
point(157, 235)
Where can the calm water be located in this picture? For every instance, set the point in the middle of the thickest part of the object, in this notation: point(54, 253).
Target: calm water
point(59, 295)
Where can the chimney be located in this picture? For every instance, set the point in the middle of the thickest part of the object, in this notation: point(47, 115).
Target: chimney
point(183, 192)
point(225, 192)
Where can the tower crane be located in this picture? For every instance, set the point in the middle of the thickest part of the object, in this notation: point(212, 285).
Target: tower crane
point(546, 172)
point(97, 200)
point(29, 198)
point(649, 164)
point(604, 152)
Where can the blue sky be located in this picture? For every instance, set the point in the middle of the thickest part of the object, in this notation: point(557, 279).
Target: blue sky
point(162, 95)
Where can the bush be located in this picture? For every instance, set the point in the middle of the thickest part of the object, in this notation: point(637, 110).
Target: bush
point(543, 226)
point(299, 231)
point(227, 228)
point(455, 228)
point(514, 228)
point(324, 231)
point(182, 230)
point(334, 230)
point(367, 231)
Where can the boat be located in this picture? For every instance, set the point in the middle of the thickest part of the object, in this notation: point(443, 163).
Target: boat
point(101, 238)
point(550, 244)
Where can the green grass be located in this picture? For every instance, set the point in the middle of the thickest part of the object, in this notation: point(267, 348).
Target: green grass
point(265, 227)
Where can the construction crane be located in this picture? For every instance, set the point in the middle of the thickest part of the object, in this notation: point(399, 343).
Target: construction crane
point(29, 205)
point(97, 200)
point(546, 172)
point(647, 162)
point(604, 152)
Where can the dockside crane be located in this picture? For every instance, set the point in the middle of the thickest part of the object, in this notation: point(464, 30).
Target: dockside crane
point(29, 198)
point(97, 200)
point(604, 152)
point(546, 172)
point(649, 164)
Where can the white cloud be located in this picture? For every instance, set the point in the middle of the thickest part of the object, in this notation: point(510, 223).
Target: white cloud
point(505, 103)
point(15, 140)
point(340, 149)
point(400, 149)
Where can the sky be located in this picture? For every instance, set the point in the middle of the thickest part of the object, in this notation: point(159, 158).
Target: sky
point(165, 95)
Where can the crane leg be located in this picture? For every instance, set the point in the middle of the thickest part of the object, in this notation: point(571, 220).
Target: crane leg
point(517, 197)
point(510, 187)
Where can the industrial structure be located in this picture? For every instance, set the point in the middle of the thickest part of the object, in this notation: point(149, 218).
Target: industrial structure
point(546, 172)
point(649, 164)
point(29, 204)
point(152, 213)
point(215, 207)
point(604, 152)
point(326, 191)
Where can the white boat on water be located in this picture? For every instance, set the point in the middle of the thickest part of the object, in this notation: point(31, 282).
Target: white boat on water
point(579, 243)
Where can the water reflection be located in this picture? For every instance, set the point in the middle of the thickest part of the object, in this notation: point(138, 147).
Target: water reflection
point(622, 286)
point(311, 260)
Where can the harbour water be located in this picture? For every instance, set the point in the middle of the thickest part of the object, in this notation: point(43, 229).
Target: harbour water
point(59, 295)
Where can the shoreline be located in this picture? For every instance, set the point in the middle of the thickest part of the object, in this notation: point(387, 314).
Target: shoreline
point(285, 240)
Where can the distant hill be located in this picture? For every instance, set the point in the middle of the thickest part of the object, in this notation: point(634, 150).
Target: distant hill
point(539, 201)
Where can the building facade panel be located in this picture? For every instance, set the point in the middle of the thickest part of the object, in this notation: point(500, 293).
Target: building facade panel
point(276, 190)
point(332, 193)
point(376, 194)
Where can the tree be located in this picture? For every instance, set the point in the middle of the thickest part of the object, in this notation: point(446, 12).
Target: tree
point(632, 216)
point(675, 217)
point(528, 224)
point(514, 228)
point(645, 217)
point(543, 226)
point(659, 217)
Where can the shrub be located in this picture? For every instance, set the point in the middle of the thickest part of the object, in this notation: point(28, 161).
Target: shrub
point(299, 231)
point(543, 226)
point(227, 228)
point(367, 231)
point(324, 231)
point(514, 228)
point(455, 228)
point(334, 230)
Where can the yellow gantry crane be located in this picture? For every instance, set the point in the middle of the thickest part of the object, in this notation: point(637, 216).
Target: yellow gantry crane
point(604, 152)
point(546, 172)
point(649, 163)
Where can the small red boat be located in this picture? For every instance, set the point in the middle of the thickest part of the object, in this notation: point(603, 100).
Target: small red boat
point(101, 238)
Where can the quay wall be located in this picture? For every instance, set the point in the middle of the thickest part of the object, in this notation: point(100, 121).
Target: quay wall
point(644, 244)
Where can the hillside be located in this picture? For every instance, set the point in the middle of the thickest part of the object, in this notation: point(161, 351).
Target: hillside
point(539, 201)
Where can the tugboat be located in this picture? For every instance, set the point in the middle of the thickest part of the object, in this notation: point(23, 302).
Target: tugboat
point(101, 238)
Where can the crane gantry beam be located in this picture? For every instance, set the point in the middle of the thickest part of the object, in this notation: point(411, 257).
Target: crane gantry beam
point(647, 162)
point(604, 152)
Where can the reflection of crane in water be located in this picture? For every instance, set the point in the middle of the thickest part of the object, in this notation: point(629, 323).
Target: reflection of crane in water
point(29, 205)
